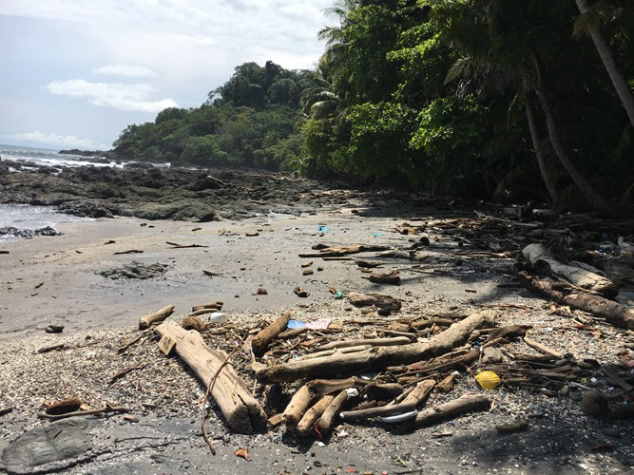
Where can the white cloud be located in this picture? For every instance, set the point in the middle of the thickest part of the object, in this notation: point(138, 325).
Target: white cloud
point(126, 97)
point(125, 70)
point(54, 140)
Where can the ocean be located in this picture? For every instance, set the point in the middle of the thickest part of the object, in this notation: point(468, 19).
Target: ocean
point(35, 217)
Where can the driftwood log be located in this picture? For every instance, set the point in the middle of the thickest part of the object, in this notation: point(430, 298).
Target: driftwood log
point(327, 420)
point(148, 320)
point(241, 410)
point(613, 312)
point(306, 423)
point(540, 257)
point(400, 340)
point(377, 357)
point(262, 340)
point(310, 391)
point(452, 409)
point(416, 397)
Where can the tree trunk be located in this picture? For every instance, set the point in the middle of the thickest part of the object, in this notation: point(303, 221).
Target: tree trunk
point(593, 198)
point(545, 168)
point(621, 86)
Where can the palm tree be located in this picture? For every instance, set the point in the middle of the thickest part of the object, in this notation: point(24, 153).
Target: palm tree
point(501, 54)
point(592, 26)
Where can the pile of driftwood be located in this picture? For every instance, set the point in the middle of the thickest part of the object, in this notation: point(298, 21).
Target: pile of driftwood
point(386, 369)
point(355, 370)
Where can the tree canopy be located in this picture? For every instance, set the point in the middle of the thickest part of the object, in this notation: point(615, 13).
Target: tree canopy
point(523, 100)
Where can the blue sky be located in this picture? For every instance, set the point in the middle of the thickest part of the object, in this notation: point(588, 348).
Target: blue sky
point(77, 72)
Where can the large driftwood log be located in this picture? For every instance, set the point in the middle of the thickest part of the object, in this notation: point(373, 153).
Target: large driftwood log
point(377, 357)
point(613, 312)
point(148, 320)
point(241, 410)
point(262, 340)
point(539, 256)
point(452, 409)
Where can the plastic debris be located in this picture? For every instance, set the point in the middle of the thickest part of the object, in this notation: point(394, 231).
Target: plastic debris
point(488, 380)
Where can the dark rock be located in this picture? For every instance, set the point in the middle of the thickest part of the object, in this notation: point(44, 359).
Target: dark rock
point(28, 233)
point(46, 445)
point(85, 209)
point(135, 270)
point(143, 165)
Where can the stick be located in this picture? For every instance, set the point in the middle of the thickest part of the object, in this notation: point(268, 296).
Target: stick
point(452, 409)
point(181, 246)
point(417, 396)
point(262, 340)
point(131, 251)
point(370, 342)
point(542, 348)
point(146, 321)
point(125, 371)
point(377, 357)
point(46, 349)
point(106, 410)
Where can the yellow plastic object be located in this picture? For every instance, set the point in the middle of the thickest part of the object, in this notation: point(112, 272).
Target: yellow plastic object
point(488, 380)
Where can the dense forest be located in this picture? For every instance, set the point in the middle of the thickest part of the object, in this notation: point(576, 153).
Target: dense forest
point(523, 100)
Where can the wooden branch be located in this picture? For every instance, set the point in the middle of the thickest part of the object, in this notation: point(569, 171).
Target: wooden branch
point(377, 357)
point(543, 349)
point(345, 250)
point(416, 397)
point(241, 410)
point(613, 312)
point(175, 245)
point(261, 341)
point(308, 420)
point(368, 342)
point(538, 256)
point(148, 320)
point(125, 371)
point(452, 409)
point(94, 412)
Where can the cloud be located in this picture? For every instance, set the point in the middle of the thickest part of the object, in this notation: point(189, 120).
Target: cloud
point(62, 141)
point(126, 97)
point(125, 70)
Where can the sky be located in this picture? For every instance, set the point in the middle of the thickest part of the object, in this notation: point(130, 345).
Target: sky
point(75, 73)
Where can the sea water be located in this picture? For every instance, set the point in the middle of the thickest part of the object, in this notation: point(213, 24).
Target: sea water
point(35, 217)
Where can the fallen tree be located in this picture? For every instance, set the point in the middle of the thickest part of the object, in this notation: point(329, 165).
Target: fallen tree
point(615, 313)
point(376, 357)
point(541, 258)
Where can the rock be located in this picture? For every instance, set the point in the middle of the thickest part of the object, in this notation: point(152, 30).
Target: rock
point(135, 270)
point(54, 329)
point(28, 233)
point(85, 209)
point(46, 445)
point(183, 210)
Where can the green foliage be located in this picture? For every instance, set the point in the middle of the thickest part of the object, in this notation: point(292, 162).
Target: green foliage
point(252, 120)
